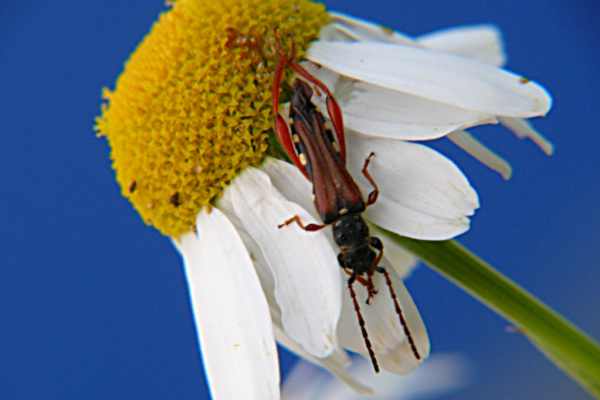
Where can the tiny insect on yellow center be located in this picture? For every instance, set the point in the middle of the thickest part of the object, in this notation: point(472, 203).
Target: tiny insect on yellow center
point(192, 107)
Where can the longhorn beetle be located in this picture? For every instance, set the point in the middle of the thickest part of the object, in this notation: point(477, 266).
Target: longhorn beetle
point(308, 140)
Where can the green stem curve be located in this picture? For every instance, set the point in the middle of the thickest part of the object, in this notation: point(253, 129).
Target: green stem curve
point(564, 344)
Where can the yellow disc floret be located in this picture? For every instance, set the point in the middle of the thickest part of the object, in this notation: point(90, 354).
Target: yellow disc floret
point(193, 105)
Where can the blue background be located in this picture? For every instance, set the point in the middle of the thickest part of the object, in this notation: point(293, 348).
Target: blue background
point(93, 304)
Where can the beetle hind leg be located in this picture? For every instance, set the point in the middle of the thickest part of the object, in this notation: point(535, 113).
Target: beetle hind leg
point(282, 129)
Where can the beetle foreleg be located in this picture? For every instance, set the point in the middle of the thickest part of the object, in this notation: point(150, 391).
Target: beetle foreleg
point(365, 170)
point(296, 219)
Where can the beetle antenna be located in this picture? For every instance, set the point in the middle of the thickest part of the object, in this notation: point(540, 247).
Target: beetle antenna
point(362, 324)
point(409, 336)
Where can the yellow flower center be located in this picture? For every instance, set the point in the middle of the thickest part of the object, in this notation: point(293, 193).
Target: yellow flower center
point(193, 105)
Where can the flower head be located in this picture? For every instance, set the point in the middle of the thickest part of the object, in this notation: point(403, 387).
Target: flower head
point(193, 106)
point(190, 128)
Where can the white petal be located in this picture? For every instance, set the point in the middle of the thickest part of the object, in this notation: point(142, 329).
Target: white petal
point(295, 187)
point(335, 363)
point(348, 34)
point(327, 76)
point(336, 32)
point(231, 313)
point(303, 264)
point(330, 33)
point(479, 151)
point(391, 346)
point(423, 194)
point(291, 183)
point(400, 359)
point(523, 129)
point(375, 111)
point(364, 30)
point(479, 42)
point(434, 75)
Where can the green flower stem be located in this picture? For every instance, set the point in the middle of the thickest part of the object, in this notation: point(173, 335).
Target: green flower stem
point(569, 348)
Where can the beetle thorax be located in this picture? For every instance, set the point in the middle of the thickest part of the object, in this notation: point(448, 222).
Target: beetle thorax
point(350, 230)
point(351, 233)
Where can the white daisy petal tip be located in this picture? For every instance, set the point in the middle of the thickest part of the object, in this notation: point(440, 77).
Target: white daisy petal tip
point(479, 42)
point(435, 75)
point(523, 129)
point(379, 112)
point(544, 98)
point(230, 310)
point(423, 195)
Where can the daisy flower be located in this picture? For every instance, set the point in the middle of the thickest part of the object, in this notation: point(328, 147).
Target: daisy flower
point(190, 126)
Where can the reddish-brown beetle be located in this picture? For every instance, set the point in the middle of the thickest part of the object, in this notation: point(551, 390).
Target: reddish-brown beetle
point(320, 154)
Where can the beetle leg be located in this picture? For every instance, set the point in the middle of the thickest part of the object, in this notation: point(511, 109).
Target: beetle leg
point(362, 324)
point(352, 278)
point(282, 129)
point(401, 316)
point(333, 109)
point(371, 291)
point(285, 139)
point(298, 221)
point(356, 277)
point(363, 282)
point(376, 243)
point(279, 69)
point(365, 170)
point(367, 283)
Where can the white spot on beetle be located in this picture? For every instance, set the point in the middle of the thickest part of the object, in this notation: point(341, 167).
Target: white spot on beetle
point(302, 158)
